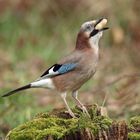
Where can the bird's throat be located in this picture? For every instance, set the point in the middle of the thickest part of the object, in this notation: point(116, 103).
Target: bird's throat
point(94, 44)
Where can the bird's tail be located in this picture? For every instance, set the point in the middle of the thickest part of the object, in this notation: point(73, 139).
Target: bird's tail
point(17, 90)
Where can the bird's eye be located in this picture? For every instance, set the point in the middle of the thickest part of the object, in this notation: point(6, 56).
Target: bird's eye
point(89, 27)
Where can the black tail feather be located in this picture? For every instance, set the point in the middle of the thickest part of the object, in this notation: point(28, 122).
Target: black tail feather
point(16, 90)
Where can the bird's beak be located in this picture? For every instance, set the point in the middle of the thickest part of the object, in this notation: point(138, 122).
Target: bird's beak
point(99, 25)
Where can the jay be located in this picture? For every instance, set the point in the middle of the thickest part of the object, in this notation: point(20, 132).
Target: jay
point(75, 69)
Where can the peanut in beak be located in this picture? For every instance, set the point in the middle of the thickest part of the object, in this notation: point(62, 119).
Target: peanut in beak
point(101, 25)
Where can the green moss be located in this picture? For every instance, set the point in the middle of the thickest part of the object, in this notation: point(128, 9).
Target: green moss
point(41, 127)
point(134, 128)
point(133, 136)
point(45, 125)
point(134, 124)
point(95, 124)
point(58, 124)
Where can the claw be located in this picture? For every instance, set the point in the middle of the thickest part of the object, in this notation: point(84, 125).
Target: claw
point(85, 111)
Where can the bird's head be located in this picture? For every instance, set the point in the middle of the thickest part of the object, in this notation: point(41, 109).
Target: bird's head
point(91, 32)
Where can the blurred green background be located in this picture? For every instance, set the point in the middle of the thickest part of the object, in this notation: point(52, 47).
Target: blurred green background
point(34, 34)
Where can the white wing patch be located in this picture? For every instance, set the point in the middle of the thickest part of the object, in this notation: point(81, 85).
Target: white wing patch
point(52, 72)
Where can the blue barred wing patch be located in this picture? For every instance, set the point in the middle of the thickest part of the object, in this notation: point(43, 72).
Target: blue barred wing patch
point(66, 68)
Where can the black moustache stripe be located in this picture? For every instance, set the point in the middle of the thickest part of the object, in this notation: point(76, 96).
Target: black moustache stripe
point(94, 32)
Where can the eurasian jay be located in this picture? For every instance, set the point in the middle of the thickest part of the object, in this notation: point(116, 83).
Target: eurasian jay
point(72, 71)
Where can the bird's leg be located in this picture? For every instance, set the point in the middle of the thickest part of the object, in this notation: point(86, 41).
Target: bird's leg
point(63, 95)
point(80, 105)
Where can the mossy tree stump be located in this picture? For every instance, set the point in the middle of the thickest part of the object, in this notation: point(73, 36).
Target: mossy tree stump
point(58, 125)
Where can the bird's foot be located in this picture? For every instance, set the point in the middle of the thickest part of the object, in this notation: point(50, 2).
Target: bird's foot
point(83, 108)
point(71, 113)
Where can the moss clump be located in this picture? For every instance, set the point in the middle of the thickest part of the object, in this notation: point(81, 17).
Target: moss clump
point(42, 127)
point(45, 125)
point(133, 136)
point(134, 128)
point(134, 124)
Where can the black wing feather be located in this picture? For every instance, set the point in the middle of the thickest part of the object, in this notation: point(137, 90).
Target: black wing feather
point(56, 67)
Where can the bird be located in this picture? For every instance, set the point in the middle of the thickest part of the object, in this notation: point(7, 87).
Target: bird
point(74, 69)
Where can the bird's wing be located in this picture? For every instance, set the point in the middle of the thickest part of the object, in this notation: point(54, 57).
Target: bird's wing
point(65, 65)
point(57, 69)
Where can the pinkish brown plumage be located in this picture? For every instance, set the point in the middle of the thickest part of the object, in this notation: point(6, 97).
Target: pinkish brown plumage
point(75, 69)
point(86, 61)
